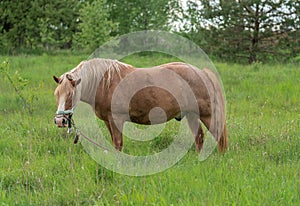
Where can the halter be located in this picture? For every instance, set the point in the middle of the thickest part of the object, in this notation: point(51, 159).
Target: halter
point(77, 131)
point(62, 113)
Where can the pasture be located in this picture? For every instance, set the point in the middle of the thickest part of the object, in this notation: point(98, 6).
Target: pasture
point(40, 165)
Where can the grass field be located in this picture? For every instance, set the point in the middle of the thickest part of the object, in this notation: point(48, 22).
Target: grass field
point(40, 165)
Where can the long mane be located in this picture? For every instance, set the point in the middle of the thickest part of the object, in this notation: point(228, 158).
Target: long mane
point(99, 69)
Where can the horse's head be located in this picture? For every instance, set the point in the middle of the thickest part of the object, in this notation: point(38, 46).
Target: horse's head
point(66, 97)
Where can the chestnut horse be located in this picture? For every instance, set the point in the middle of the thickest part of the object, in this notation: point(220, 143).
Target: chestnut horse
point(118, 92)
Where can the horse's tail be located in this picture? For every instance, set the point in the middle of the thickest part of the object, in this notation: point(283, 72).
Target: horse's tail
point(223, 141)
point(218, 122)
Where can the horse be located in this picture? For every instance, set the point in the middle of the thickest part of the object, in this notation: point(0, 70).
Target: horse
point(119, 92)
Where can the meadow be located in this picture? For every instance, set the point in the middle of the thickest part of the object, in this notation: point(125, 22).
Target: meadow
point(40, 165)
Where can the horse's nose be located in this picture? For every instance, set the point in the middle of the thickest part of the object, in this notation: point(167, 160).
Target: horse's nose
point(60, 121)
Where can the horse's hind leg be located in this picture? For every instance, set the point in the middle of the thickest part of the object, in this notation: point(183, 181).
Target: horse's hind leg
point(195, 126)
point(218, 130)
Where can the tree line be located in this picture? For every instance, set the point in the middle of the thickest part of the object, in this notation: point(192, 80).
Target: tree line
point(237, 30)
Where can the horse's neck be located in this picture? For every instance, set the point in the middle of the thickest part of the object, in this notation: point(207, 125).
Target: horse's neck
point(88, 87)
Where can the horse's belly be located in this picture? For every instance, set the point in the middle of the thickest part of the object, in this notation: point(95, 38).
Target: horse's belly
point(153, 106)
point(152, 117)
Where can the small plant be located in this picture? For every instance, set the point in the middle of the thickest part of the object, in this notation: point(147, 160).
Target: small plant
point(256, 65)
point(18, 83)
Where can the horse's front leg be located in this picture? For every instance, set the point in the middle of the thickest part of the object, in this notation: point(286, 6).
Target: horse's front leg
point(115, 126)
point(109, 129)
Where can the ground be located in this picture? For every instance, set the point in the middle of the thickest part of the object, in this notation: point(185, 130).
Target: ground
point(40, 165)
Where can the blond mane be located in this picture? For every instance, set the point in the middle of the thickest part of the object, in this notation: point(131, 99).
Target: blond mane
point(95, 70)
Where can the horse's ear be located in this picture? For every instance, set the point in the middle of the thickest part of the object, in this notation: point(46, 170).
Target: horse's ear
point(73, 81)
point(70, 77)
point(77, 82)
point(56, 79)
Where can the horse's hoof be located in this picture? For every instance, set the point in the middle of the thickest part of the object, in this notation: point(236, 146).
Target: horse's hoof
point(76, 139)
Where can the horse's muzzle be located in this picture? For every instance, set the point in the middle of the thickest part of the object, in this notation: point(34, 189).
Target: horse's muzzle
point(61, 121)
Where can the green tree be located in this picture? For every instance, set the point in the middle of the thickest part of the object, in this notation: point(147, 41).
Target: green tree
point(37, 24)
point(51, 24)
point(140, 15)
point(94, 28)
point(136, 15)
point(249, 29)
point(12, 19)
point(151, 14)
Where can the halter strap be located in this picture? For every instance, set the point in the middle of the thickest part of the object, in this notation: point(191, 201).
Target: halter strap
point(70, 111)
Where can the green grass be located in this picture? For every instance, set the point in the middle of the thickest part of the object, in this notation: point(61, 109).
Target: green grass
point(40, 165)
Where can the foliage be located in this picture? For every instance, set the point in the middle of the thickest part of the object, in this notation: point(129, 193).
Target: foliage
point(94, 27)
point(37, 24)
point(40, 165)
point(139, 15)
point(231, 30)
point(62, 24)
point(252, 29)
point(18, 83)
point(136, 15)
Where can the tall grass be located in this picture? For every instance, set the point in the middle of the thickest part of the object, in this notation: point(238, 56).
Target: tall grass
point(40, 165)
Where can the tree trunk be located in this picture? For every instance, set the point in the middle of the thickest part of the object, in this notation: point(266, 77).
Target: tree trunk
point(255, 38)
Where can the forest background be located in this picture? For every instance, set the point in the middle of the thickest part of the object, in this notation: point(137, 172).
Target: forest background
point(232, 30)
